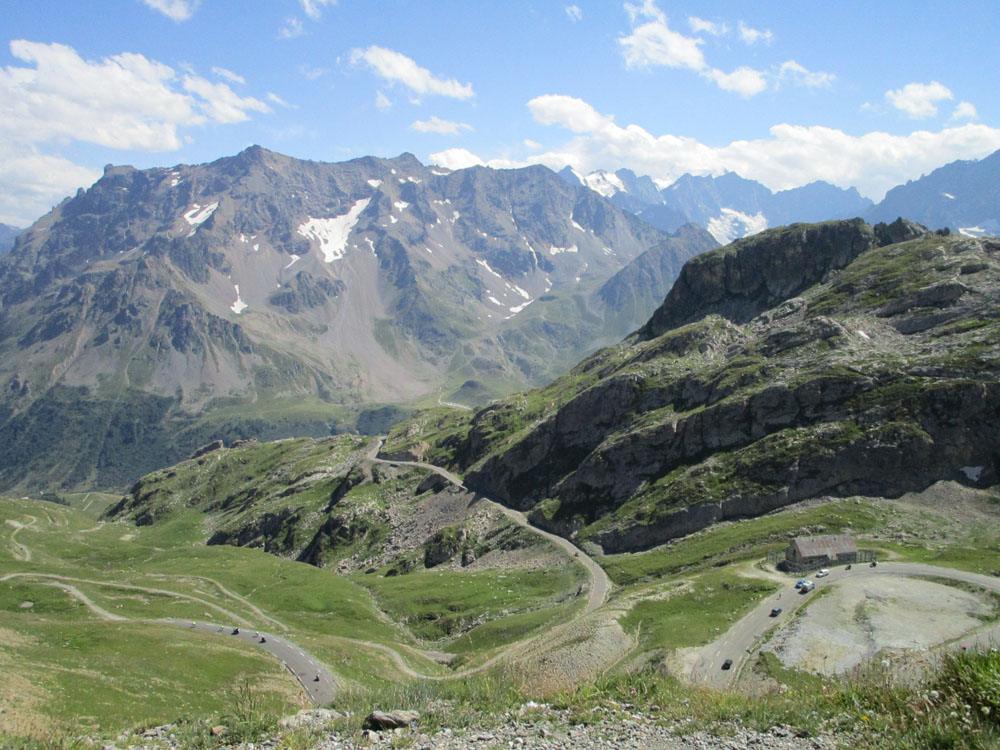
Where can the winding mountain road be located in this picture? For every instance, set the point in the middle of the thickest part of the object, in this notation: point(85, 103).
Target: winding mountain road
point(599, 587)
point(741, 641)
point(315, 679)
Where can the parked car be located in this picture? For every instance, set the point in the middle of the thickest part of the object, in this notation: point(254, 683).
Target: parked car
point(822, 573)
point(727, 664)
point(800, 583)
point(776, 611)
point(807, 587)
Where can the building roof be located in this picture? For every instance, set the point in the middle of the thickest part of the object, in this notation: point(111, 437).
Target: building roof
point(829, 545)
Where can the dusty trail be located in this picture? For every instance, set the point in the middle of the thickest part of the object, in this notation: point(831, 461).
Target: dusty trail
point(21, 551)
point(231, 594)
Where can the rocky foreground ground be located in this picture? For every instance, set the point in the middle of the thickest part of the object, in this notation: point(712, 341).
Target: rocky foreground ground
point(532, 726)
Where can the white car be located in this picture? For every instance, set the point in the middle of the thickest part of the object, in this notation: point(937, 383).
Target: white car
point(822, 573)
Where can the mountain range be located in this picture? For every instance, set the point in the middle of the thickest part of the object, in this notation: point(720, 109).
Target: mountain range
point(261, 296)
point(727, 206)
point(962, 196)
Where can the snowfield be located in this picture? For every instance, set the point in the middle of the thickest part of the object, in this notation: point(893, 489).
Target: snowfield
point(332, 233)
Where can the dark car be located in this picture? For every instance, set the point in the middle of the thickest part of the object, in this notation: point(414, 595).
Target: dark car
point(727, 664)
point(776, 611)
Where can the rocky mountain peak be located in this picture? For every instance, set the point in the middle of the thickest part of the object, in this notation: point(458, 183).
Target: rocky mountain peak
point(751, 275)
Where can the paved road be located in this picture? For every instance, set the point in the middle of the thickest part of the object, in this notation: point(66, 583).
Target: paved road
point(600, 585)
point(315, 678)
point(741, 640)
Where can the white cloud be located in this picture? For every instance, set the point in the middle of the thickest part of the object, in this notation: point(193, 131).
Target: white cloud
point(275, 99)
point(533, 145)
point(31, 183)
point(396, 67)
point(701, 26)
point(435, 124)
point(791, 155)
point(292, 29)
point(122, 101)
point(221, 103)
point(750, 35)
point(919, 99)
point(574, 13)
point(744, 81)
point(229, 75)
point(175, 10)
point(382, 101)
point(314, 8)
point(965, 111)
point(455, 158)
point(652, 43)
point(125, 101)
point(793, 72)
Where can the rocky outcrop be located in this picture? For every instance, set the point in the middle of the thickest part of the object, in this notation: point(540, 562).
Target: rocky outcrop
point(742, 280)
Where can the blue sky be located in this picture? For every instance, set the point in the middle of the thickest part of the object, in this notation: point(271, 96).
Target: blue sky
point(858, 93)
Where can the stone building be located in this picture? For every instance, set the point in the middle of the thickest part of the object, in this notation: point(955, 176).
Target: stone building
point(816, 551)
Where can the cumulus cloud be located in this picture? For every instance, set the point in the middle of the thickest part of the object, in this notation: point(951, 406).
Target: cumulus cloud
point(965, 111)
point(919, 100)
point(382, 102)
point(750, 35)
point(229, 75)
point(435, 124)
point(455, 158)
point(314, 8)
point(701, 26)
point(395, 67)
point(221, 103)
point(652, 43)
point(175, 10)
point(574, 13)
point(533, 145)
point(791, 155)
point(744, 81)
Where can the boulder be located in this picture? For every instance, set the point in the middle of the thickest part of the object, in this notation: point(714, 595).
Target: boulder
point(380, 721)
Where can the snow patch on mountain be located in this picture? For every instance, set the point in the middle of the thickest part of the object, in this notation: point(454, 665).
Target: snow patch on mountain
point(553, 250)
point(375, 183)
point(294, 259)
point(332, 233)
point(198, 215)
point(731, 224)
point(239, 305)
point(486, 265)
point(604, 183)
